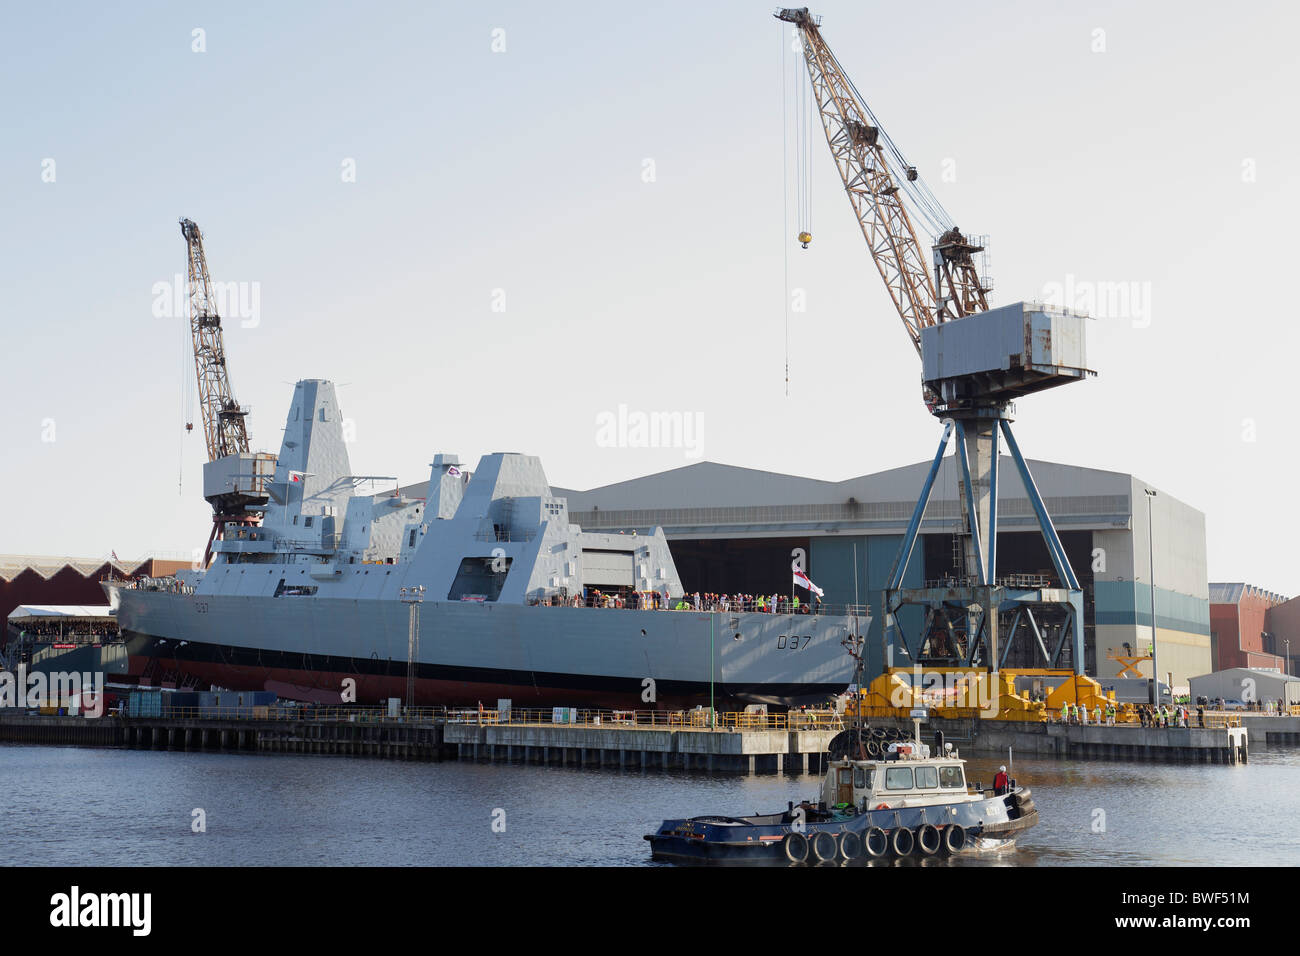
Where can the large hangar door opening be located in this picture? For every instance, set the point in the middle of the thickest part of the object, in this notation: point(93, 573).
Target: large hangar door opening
point(736, 565)
point(1025, 552)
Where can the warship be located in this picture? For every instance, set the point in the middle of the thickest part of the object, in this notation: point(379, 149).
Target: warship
point(315, 599)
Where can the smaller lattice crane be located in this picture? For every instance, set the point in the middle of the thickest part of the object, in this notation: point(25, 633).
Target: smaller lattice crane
point(234, 479)
point(224, 430)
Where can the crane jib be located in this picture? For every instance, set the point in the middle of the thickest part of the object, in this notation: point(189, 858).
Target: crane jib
point(878, 179)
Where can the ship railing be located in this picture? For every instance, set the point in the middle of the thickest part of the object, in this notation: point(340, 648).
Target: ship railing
point(170, 585)
point(611, 602)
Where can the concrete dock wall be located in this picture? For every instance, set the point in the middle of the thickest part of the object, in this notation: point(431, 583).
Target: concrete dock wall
point(739, 751)
point(660, 748)
point(1170, 744)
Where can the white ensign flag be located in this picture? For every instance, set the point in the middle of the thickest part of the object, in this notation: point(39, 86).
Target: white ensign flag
point(804, 581)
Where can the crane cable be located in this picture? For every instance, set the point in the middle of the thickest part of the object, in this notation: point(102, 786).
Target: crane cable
point(923, 200)
point(186, 401)
point(785, 214)
point(804, 105)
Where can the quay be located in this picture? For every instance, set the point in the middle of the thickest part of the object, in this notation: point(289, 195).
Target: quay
point(732, 750)
point(389, 739)
point(1220, 742)
point(644, 740)
point(739, 743)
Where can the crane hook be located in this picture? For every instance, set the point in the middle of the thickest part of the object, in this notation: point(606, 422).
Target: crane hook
point(805, 238)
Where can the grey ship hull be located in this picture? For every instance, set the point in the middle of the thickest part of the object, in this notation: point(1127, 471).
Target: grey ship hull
point(471, 652)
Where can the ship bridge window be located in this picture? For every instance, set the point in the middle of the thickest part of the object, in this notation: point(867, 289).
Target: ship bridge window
point(898, 778)
point(927, 778)
point(862, 778)
point(480, 579)
point(950, 777)
point(293, 590)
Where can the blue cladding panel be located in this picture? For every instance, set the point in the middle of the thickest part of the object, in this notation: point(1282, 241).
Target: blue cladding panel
point(830, 565)
point(1128, 603)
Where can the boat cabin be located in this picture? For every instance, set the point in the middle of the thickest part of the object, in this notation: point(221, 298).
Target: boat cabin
point(903, 782)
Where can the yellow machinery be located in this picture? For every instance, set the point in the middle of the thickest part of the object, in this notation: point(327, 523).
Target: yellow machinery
point(955, 692)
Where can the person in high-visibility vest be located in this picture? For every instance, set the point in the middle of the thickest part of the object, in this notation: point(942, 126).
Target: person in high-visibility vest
point(1096, 714)
point(1065, 713)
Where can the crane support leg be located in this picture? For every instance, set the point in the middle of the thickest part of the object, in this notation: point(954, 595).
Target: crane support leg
point(899, 570)
point(974, 598)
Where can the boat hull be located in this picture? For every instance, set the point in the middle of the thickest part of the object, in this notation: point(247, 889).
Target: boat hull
point(741, 840)
point(471, 653)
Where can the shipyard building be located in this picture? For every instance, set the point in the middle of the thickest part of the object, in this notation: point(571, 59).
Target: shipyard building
point(735, 529)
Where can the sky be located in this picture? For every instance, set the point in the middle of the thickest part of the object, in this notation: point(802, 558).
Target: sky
point(496, 225)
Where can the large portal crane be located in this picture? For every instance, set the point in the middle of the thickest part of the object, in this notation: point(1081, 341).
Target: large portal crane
point(234, 480)
point(974, 362)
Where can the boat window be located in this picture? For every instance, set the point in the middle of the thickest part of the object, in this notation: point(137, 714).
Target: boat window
point(927, 778)
point(950, 777)
point(862, 778)
point(898, 778)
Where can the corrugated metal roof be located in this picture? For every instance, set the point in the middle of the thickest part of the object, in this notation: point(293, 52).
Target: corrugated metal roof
point(1252, 671)
point(1233, 592)
point(1229, 593)
point(47, 566)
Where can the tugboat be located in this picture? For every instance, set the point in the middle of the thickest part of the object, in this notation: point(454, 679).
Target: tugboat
point(908, 803)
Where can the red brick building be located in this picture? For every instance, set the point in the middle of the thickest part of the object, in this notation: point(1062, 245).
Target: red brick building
point(1283, 622)
point(1239, 631)
point(32, 579)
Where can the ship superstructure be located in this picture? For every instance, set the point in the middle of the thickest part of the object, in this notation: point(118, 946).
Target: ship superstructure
point(311, 597)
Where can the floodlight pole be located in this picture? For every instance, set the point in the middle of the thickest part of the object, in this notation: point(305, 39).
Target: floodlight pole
point(1151, 554)
point(413, 597)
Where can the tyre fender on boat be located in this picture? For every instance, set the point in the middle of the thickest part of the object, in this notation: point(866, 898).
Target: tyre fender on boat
point(928, 839)
point(903, 842)
point(796, 847)
point(876, 842)
point(954, 838)
point(851, 845)
point(824, 846)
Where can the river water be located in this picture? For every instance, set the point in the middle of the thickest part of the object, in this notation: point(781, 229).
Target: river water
point(72, 807)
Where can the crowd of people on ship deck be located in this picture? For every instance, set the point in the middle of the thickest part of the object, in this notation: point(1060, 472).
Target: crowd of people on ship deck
point(696, 601)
